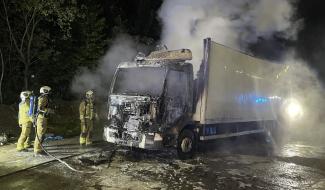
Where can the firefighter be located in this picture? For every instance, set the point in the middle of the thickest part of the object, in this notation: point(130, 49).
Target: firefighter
point(43, 111)
point(87, 116)
point(24, 121)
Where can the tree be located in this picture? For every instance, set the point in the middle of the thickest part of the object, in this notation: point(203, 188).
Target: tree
point(30, 13)
point(89, 34)
point(63, 57)
point(45, 42)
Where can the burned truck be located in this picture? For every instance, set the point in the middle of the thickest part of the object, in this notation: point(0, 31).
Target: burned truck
point(156, 101)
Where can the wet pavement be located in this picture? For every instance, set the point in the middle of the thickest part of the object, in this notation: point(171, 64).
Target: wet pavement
point(12, 161)
point(233, 164)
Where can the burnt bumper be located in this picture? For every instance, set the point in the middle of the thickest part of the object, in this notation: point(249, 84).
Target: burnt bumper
point(151, 141)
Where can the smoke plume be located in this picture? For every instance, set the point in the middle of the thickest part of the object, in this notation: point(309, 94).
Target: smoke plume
point(233, 23)
point(302, 83)
point(239, 24)
point(123, 49)
point(187, 22)
point(229, 22)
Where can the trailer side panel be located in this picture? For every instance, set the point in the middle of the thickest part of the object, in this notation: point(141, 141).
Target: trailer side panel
point(237, 87)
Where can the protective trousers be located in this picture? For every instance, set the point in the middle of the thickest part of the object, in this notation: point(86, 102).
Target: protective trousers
point(23, 141)
point(86, 131)
point(41, 127)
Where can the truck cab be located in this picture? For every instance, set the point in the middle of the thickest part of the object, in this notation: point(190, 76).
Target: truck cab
point(150, 100)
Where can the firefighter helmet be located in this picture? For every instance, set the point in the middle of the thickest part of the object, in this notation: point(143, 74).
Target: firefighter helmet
point(45, 90)
point(24, 95)
point(90, 94)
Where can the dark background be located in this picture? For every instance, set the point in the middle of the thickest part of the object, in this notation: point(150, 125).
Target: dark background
point(61, 46)
point(311, 39)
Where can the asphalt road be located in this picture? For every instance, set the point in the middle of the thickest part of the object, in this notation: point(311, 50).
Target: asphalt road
point(233, 164)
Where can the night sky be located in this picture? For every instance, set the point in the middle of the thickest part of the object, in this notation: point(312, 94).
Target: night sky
point(311, 39)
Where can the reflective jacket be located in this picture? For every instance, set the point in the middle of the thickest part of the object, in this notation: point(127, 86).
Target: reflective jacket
point(23, 116)
point(43, 106)
point(86, 110)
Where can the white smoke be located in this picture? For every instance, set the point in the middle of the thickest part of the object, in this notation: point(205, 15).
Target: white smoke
point(238, 24)
point(229, 22)
point(302, 83)
point(123, 49)
point(187, 22)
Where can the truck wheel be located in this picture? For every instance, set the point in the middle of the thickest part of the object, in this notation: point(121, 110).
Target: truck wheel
point(186, 144)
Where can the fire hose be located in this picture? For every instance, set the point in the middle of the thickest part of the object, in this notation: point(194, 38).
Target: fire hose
point(56, 158)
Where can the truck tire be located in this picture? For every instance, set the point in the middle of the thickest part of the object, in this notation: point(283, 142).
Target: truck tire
point(186, 144)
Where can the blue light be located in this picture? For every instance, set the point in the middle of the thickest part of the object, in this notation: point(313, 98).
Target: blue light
point(261, 100)
point(251, 98)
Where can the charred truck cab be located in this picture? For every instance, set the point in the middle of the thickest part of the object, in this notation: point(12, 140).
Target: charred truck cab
point(150, 100)
point(155, 101)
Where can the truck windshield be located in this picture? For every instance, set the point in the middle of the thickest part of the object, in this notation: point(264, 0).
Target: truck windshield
point(140, 81)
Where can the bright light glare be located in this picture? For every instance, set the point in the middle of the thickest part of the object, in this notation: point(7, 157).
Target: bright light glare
point(294, 109)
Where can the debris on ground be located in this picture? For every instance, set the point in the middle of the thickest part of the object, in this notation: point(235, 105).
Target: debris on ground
point(52, 137)
point(94, 159)
point(3, 139)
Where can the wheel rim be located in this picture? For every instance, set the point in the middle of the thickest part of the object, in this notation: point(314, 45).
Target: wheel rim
point(186, 144)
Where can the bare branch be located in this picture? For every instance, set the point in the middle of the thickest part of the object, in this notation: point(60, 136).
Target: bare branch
point(27, 24)
point(35, 23)
point(35, 61)
point(11, 33)
point(2, 74)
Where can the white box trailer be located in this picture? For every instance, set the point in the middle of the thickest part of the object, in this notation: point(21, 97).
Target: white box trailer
point(236, 93)
point(155, 101)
